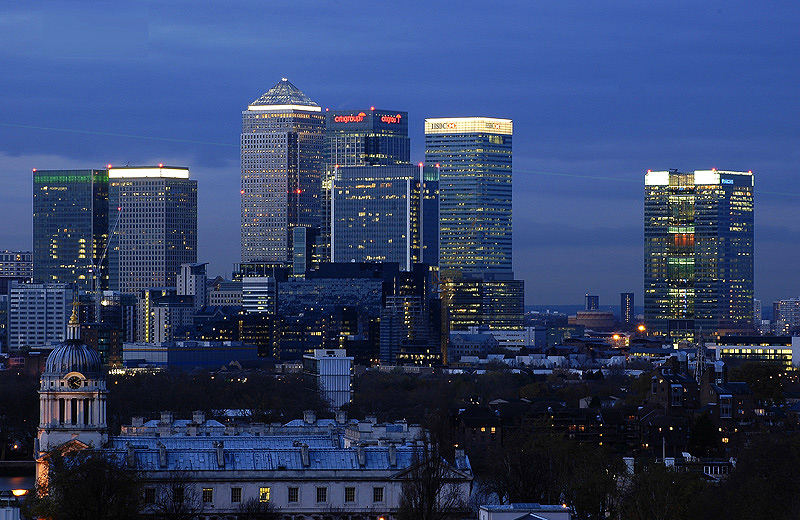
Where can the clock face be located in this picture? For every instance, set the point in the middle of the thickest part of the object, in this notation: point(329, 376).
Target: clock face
point(74, 382)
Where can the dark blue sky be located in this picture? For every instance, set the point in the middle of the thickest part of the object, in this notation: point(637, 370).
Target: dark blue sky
point(599, 92)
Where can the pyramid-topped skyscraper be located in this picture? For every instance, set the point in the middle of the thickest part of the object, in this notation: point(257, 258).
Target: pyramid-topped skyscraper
point(282, 163)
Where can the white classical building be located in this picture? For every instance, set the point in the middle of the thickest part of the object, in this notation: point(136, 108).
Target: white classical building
point(307, 469)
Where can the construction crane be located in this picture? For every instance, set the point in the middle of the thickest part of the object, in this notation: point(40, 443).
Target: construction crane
point(96, 269)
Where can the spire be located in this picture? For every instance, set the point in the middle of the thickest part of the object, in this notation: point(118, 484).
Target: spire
point(74, 327)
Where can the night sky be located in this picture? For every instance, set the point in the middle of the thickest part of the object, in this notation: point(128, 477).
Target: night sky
point(599, 92)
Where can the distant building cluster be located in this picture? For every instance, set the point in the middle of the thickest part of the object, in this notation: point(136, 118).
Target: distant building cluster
point(348, 246)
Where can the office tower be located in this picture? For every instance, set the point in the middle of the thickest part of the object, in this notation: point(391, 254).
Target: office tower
point(411, 319)
point(157, 228)
point(474, 156)
point(38, 314)
point(489, 299)
point(367, 137)
point(15, 266)
point(626, 311)
point(385, 214)
point(192, 281)
point(259, 294)
point(70, 227)
point(592, 302)
point(786, 316)
point(757, 314)
point(698, 253)
point(282, 164)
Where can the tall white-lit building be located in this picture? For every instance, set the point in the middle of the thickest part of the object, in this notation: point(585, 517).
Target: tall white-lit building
point(157, 228)
point(282, 153)
point(474, 159)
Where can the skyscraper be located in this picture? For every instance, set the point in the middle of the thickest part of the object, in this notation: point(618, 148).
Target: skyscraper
point(282, 165)
point(70, 226)
point(698, 253)
point(474, 156)
point(367, 137)
point(385, 214)
point(157, 228)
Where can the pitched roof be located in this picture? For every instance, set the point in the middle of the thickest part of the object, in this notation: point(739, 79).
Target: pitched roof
point(284, 93)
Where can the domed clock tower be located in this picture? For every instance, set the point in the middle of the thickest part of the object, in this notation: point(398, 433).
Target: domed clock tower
point(72, 395)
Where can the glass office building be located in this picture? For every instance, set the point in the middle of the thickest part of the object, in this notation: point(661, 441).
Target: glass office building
point(157, 229)
point(474, 157)
point(698, 253)
point(368, 137)
point(385, 214)
point(282, 154)
point(70, 226)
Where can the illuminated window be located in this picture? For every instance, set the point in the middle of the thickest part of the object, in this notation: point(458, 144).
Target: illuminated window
point(263, 494)
point(208, 495)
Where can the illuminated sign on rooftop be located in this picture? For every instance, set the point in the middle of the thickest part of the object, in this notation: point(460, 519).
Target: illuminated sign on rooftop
point(139, 172)
point(468, 125)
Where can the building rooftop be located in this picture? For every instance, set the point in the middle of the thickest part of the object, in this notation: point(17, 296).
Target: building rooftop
point(283, 94)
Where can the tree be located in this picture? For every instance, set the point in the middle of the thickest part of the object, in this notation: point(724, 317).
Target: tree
point(660, 493)
point(526, 468)
point(590, 480)
point(764, 379)
point(254, 509)
point(177, 499)
point(430, 490)
point(85, 485)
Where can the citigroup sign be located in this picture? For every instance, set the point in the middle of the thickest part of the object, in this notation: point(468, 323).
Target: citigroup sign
point(350, 119)
point(391, 119)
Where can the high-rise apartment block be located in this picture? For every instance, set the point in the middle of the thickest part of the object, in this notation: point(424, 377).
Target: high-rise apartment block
point(38, 314)
point(592, 302)
point(698, 253)
point(385, 214)
point(157, 228)
point(282, 156)
point(474, 157)
point(70, 227)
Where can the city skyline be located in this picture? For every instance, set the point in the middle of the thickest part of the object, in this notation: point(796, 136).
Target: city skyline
point(598, 95)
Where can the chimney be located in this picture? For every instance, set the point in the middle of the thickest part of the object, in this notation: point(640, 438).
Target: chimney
point(309, 416)
point(162, 455)
point(341, 417)
point(198, 417)
point(393, 455)
point(166, 417)
point(304, 455)
point(131, 456)
point(220, 454)
point(137, 421)
point(362, 456)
